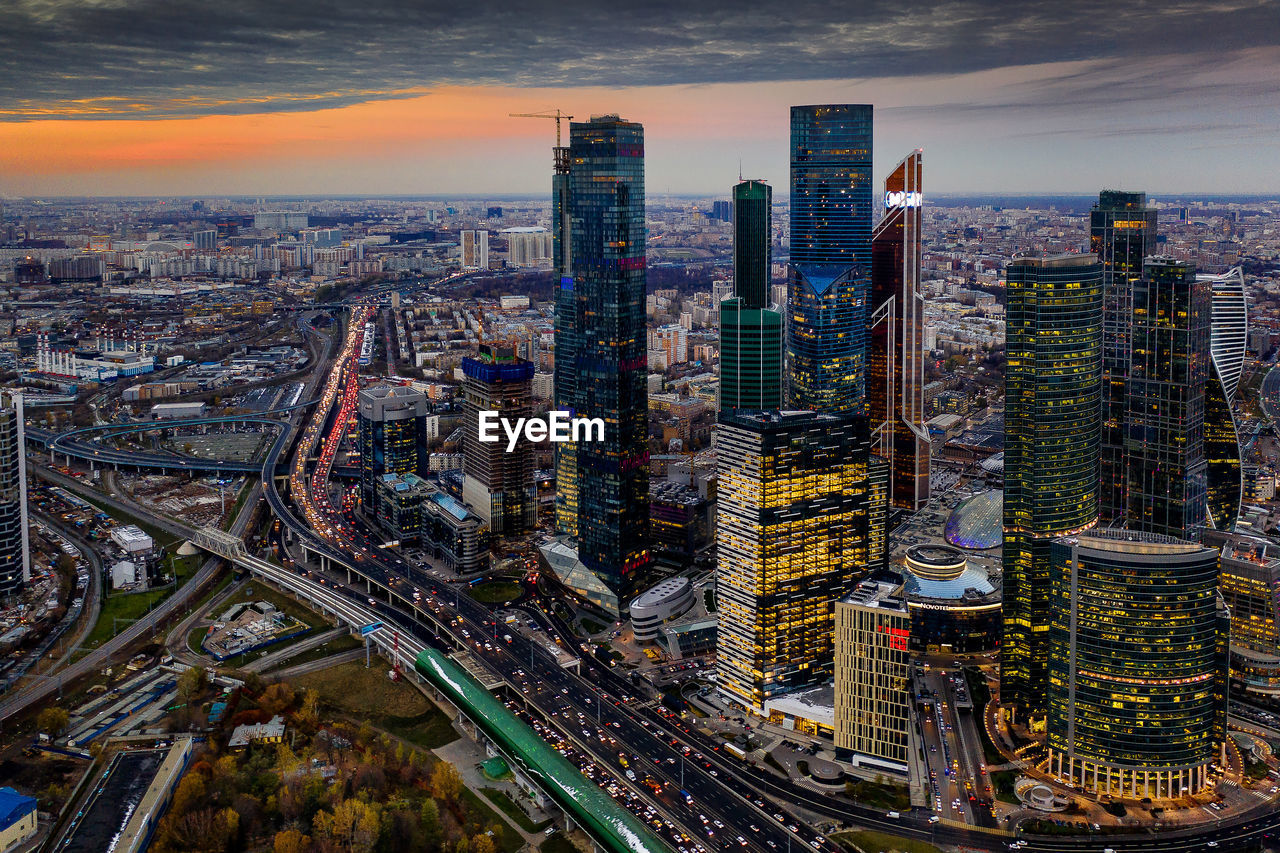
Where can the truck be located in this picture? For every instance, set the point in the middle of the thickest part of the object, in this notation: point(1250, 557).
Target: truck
point(736, 751)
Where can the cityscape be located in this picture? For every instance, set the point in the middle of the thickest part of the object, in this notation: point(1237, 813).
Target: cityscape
point(775, 506)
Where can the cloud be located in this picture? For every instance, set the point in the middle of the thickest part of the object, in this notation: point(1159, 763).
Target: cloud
point(93, 59)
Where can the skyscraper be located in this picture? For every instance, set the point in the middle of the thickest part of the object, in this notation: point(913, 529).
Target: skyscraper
point(565, 375)
point(1169, 369)
point(1138, 670)
point(750, 332)
point(791, 532)
point(498, 483)
point(475, 250)
point(895, 360)
point(1052, 396)
point(600, 349)
point(829, 279)
point(15, 544)
point(1122, 232)
point(1228, 341)
point(392, 431)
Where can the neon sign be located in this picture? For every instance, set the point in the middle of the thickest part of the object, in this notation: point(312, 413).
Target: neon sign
point(899, 198)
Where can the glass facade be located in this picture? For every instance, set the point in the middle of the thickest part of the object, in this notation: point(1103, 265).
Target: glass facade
point(752, 242)
point(1122, 233)
point(791, 532)
point(1250, 584)
point(872, 683)
point(566, 344)
point(15, 548)
point(829, 282)
point(1228, 342)
point(1137, 676)
point(1169, 369)
point(1053, 388)
point(498, 484)
point(751, 333)
point(601, 320)
point(392, 433)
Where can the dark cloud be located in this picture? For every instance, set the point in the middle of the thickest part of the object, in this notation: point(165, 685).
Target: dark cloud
point(162, 58)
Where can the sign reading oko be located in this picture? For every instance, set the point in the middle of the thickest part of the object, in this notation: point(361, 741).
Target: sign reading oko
point(558, 427)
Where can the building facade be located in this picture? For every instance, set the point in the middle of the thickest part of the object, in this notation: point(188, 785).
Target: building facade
point(830, 274)
point(1229, 340)
point(475, 250)
point(1052, 398)
point(791, 533)
point(1250, 583)
point(895, 358)
point(392, 434)
point(15, 543)
point(1169, 369)
point(1122, 233)
point(601, 367)
point(751, 332)
point(1137, 685)
point(872, 694)
point(498, 483)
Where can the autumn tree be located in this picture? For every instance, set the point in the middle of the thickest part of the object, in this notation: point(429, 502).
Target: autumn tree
point(291, 841)
point(53, 721)
point(352, 825)
point(483, 843)
point(446, 783)
point(192, 682)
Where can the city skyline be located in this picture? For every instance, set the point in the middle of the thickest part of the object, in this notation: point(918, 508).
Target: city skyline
point(414, 99)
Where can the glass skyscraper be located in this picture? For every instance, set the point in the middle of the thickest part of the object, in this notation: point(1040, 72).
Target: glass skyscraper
point(1228, 341)
point(1122, 233)
point(829, 280)
point(392, 433)
point(1138, 670)
point(601, 365)
point(566, 343)
point(498, 483)
point(895, 361)
point(1053, 388)
point(750, 332)
point(15, 546)
point(1169, 369)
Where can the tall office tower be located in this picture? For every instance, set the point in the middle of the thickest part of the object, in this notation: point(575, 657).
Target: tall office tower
point(1053, 387)
point(1250, 574)
point(1138, 677)
point(392, 431)
point(873, 697)
point(895, 359)
point(750, 332)
point(791, 533)
point(498, 484)
point(1169, 368)
point(829, 280)
point(475, 250)
point(1229, 339)
point(15, 543)
point(564, 376)
point(601, 321)
point(1122, 232)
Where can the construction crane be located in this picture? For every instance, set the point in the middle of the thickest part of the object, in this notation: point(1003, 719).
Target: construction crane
point(557, 115)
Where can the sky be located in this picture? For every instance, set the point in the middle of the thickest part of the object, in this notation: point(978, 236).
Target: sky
point(314, 97)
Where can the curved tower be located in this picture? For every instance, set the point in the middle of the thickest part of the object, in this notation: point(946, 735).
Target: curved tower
point(1228, 340)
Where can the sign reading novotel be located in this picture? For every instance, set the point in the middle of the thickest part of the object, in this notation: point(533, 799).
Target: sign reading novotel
point(900, 198)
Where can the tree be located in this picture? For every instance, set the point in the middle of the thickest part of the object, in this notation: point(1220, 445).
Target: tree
point(189, 795)
point(192, 683)
point(52, 721)
point(291, 841)
point(483, 843)
point(353, 825)
point(446, 783)
point(431, 822)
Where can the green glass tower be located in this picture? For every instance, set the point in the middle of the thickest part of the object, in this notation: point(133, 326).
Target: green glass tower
point(1053, 389)
point(751, 334)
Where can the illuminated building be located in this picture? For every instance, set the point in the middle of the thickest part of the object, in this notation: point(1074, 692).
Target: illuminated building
point(1052, 398)
point(975, 524)
point(750, 332)
point(829, 278)
point(392, 433)
point(872, 696)
point(498, 483)
point(1228, 342)
point(1137, 675)
point(601, 368)
point(1250, 584)
point(475, 250)
point(791, 534)
point(15, 545)
point(1122, 232)
point(895, 358)
point(954, 607)
point(565, 375)
point(1169, 367)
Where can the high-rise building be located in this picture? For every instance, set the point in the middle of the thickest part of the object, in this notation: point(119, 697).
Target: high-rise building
point(829, 278)
point(528, 245)
point(872, 693)
point(895, 358)
point(1138, 680)
point(791, 533)
point(1052, 397)
point(751, 333)
point(1249, 578)
point(601, 369)
point(205, 240)
point(1169, 369)
point(1228, 343)
point(1122, 232)
point(498, 482)
point(15, 543)
point(565, 368)
point(392, 430)
point(475, 250)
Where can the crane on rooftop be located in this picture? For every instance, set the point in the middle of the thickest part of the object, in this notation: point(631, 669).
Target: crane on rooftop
point(557, 115)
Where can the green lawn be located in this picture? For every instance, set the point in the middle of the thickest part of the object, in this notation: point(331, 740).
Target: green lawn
point(881, 842)
point(161, 538)
point(558, 843)
point(345, 643)
point(880, 795)
point(513, 811)
point(257, 591)
point(495, 592)
point(481, 815)
point(123, 607)
point(1002, 781)
point(429, 730)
